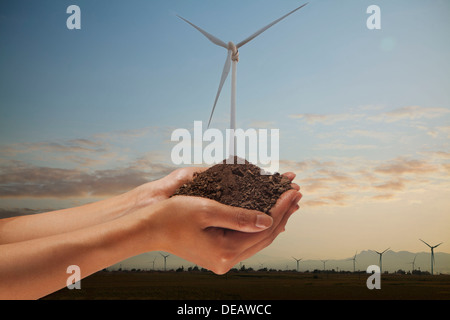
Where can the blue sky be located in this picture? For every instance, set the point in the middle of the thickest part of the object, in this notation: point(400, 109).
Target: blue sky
point(139, 56)
point(363, 114)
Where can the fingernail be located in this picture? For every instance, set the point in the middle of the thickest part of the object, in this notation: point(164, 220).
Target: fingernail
point(297, 198)
point(263, 221)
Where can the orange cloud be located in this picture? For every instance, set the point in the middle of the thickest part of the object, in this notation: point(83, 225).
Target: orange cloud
point(401, 166)
point(392, 185)
point(346, 181)
point(384, 196)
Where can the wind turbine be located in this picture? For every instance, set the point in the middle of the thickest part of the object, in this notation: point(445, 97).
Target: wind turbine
point(231, 61)
point(324, 261)
point(432, 253)
point(413, 263)
point(354, 261)
point(381, 256)
point(165, 257)
point(298, 260)
point(154, 263)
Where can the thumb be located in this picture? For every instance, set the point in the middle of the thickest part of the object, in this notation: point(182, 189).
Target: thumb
point(179, 177)
point(238, 219)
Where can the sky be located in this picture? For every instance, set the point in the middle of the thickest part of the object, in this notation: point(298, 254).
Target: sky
point(364, 115)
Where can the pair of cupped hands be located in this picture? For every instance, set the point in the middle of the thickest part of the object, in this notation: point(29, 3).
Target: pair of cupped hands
point(206, 232)
point(36, 250)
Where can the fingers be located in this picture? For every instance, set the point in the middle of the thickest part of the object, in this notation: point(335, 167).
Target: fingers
point(243, 220)
point(281, 213)
point(178, 178)
point(284, 202)
point(273, 232)
point(267, 240)
point(289, 175)
point(234, 218)
point(295, 186)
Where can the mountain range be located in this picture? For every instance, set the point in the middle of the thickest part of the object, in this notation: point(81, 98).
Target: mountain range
point(392, 261)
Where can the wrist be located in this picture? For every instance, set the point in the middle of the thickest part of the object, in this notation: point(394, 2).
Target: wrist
point(141, 197)
point(151, 227)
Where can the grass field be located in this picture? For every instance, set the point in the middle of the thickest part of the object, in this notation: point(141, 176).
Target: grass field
point(255, 286)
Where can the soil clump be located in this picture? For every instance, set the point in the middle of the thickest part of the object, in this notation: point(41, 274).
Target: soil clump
point(239, 185)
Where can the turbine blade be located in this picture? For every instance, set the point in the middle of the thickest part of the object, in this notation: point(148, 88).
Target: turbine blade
point(438, 245)
point(257, 33)
point(211, 38)
point(225, 72)
point(425, 243)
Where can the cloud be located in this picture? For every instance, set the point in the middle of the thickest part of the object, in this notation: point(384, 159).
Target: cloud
point(408, 112)
point(446, 166)
point(346, 181)
point(379, 135)
point(342, 146)
point(314, 203)
point(335, 199)
point(402, 166)
point(327, 119)
point(411, 113)
point(291, 165)
point(71, 146)
point(444, 130)
point(383, 197)
point(392, 185)
point(18, 179)
point(436, 155)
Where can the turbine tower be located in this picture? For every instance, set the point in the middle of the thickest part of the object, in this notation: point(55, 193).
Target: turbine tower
point(165, 257)
point(298, 260)
point(381, 256)
point(354, 260)
point(432, 253)
point(413, 263)
point(324, 261)
point(231, 61)
point(154, 259)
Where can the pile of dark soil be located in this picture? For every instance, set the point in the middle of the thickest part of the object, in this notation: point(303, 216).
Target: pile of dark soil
point(239, 185)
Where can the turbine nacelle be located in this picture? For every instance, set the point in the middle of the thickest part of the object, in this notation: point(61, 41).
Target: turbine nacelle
point(234, 51)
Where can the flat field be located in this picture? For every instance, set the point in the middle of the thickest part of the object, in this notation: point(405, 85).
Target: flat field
point(255, 286)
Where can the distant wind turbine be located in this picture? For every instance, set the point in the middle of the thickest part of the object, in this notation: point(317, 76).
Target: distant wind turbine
point(432, 253)
point(381, 256)
point(154, 263)
point(324, 261)
point(232, 59)
point(165, 257)
point(413, 263)
point(298, 260)
point(354, 261)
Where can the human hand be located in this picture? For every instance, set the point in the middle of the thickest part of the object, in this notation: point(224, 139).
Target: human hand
point(216, 236)
point(162, 189)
